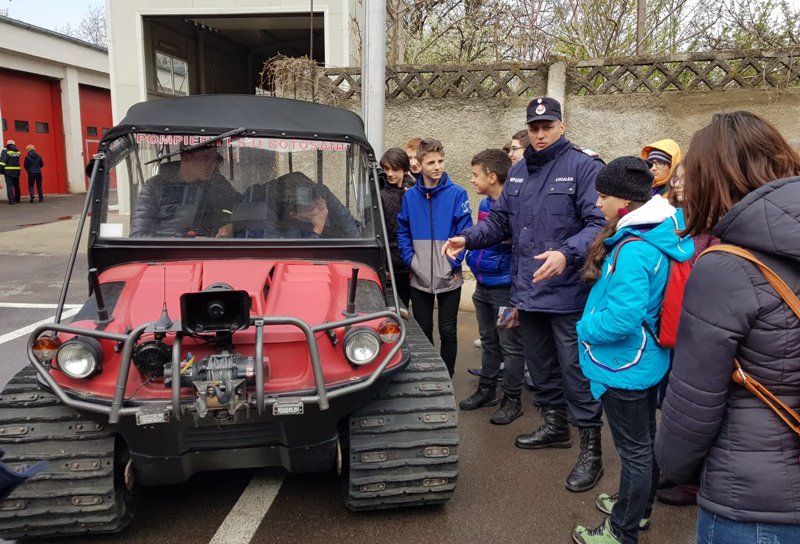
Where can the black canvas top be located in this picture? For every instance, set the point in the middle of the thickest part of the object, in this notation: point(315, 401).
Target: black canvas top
point(263, 115)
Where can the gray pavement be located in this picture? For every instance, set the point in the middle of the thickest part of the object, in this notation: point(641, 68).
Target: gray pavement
point(504, 494)
point(26, 214)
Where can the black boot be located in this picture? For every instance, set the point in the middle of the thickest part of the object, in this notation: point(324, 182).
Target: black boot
point(589, 467)
point(554, 432)
point(484, 396)
point(510, 409)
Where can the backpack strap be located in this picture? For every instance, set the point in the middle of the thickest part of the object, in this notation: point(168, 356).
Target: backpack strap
point(619, 248)
point(614, 267)
point(739, 376)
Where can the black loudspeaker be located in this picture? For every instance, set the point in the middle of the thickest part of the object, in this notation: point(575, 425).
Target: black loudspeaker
point(215, 311)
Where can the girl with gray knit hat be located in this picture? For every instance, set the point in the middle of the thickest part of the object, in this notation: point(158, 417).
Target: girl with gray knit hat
point(629, 266)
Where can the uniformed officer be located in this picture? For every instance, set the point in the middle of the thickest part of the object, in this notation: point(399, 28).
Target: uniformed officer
point(9, 166)
point(548, 210)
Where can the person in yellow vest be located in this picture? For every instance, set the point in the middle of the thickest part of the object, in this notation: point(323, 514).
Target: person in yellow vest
point(9, 166)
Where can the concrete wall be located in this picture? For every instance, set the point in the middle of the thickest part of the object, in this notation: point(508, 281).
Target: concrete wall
point(611, 125)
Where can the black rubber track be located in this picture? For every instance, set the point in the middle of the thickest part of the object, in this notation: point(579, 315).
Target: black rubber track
point(404, 442)
point(76, 494)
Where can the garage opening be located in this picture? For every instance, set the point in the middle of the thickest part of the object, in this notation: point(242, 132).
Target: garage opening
point(224, 54)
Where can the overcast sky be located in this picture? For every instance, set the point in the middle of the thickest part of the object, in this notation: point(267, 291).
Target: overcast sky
point(54, 14)
point(50, 14)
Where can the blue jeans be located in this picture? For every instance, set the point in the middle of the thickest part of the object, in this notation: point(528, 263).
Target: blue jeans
point(631, 418)
point(498, 345)
point(714, 529)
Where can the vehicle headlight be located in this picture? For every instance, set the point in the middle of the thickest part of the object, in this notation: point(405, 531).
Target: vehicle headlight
point(361, 345)
point(80, 357)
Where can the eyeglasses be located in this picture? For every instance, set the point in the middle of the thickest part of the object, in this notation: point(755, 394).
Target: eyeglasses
point(676, 181)
point(514, 149)
point(659, 163)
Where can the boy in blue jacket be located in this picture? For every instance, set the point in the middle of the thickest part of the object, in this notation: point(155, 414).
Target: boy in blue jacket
point(492, 269)
point(434, 210)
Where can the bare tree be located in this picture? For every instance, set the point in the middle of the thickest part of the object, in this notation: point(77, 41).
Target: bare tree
point(91, 28)
point(462, 31)
point(452, 31)
point(752, 25)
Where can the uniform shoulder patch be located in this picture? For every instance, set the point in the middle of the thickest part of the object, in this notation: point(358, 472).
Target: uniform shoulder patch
point(589, 152)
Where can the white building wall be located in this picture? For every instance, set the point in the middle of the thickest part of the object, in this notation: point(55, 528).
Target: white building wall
point(29, 49)
point(127, 41)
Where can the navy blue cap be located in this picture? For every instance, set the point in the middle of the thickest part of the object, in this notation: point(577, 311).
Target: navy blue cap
point(544, 109)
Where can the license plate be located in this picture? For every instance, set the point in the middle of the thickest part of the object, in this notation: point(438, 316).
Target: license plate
point(151, 418)
point(287, 409)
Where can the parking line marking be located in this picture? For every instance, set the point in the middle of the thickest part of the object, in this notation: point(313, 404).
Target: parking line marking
point(9, 336)
point(36, 305)
point(244, 518)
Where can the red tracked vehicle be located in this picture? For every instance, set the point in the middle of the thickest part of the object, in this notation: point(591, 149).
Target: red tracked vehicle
point(238, 317)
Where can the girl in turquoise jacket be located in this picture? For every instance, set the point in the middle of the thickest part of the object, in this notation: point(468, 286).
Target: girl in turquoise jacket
point(618, 353)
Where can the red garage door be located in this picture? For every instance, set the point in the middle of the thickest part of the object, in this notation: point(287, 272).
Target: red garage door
point(95, 118)
point(31, 112)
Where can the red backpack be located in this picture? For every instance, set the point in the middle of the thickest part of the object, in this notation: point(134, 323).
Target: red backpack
point(673, 298)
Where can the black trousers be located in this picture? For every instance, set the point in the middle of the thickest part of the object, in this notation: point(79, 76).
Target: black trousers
point(402, 282)
point(35, 179)
point(12, 188)
point(550, 343)
point(422, 309)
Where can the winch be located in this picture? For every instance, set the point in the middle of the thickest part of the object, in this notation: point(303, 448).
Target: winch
point(220, 380)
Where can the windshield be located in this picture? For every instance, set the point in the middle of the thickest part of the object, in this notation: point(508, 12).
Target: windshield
point(168, 186)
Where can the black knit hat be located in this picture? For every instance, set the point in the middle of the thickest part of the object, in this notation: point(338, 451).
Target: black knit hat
point(626, 177)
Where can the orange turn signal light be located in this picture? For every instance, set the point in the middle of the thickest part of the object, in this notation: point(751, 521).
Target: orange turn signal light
point(389, 331)
point(45, 348)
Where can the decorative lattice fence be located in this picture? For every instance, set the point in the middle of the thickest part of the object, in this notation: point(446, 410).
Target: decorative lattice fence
point(715, 71)
point(693, 72)
point(494, 81)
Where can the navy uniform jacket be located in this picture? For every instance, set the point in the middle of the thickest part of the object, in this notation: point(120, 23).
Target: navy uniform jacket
point(548, 203)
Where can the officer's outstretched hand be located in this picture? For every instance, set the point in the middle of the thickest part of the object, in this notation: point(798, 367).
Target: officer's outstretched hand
point(554, 264)
point(453, 246)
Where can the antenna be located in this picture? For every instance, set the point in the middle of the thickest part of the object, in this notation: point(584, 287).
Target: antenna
point(94, 287)
point(350, 311)
point(164, 322)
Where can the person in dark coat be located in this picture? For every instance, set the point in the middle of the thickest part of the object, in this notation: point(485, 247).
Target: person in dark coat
point(9, 167)
point(187, 199)
point(743, 185)
point(33, 166)
point(548, 210)
point(396, 166)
